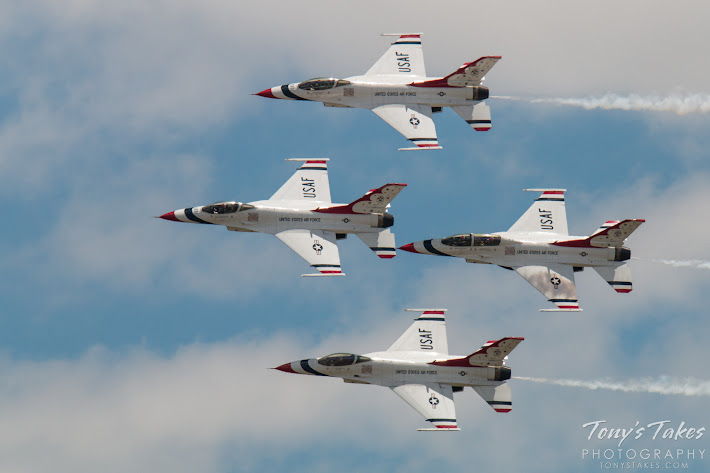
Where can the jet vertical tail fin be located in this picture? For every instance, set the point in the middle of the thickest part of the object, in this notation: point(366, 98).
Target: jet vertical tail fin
point(472, 73)
point(618, 277)
point(492, 353)
point(611, 234)
point(382, 242)
point(374, 201)
point(616, 233)
point(605, 225)
point(469, 74)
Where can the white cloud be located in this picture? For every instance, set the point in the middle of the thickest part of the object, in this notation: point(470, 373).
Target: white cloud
point(92, 84)
point(139, 411)
point(90, 75)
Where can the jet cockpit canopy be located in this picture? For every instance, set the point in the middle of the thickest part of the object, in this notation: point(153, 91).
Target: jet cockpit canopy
point(342, 359)
point(322, 83)
point(220, 208)
point(472, 239)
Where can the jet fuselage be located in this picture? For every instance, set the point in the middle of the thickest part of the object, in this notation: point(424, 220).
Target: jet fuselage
point(513, 249)
point(267, 217)
point(393, 369)
point(368, 92)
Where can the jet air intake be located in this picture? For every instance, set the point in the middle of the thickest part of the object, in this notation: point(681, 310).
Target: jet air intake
point(498, 373)
point(479, 92)
point(385, 220)
point(622, 254)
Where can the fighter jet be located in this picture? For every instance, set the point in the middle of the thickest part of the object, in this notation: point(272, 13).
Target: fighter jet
point(418, 368)
point(538, 248)
point(398, 90)
point(301, 215)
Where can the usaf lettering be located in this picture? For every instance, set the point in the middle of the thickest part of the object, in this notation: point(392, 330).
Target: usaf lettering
point(545, 219)
point(425, 340)
point(403, 62)
point(309, 188)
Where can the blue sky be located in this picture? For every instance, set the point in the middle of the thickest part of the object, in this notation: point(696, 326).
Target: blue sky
point(134, 344)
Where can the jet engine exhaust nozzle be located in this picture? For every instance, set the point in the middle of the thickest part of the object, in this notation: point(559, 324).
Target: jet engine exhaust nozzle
point(385, 220)
point(500, 373)
point(622, 254)
point(480, 93)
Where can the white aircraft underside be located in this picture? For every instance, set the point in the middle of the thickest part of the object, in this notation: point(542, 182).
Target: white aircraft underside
point(418, 368)
point(301, 215)
point(397, 90)
point(539, 248)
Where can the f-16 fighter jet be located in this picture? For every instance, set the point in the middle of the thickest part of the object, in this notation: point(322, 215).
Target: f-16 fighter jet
point(538, 248)
point(419, 369)
point(398, 90)
point(301, 215)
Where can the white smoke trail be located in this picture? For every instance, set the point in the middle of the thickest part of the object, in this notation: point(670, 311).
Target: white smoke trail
point(676, 103)
point(690, 263)
point(661, 385)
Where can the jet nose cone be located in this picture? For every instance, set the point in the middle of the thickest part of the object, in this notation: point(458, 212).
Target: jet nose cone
point(286, 367)
point(169, 216)
point(409, 247)
point(266, 93)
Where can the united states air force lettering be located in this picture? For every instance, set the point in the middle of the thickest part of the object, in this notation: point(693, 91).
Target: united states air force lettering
point(425, 340)
point(395, 94)
point(309, 188)
point(416, 372)
point(299, 219)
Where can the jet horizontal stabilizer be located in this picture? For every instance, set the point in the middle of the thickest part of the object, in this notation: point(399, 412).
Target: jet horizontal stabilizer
point(560, 310)
point(401, 34)
point(438, 430)
point(418, 148)
point(425, 310)
point(545, 190)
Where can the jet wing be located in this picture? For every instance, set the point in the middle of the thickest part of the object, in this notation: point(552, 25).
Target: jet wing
point(415, 122)
point(427, 333)
point(309, 182)
point(547, 214)
point(317, 247)
point(434, 401)
point(404, 58)
point(554, 281)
